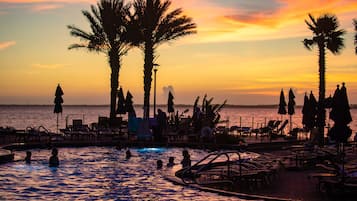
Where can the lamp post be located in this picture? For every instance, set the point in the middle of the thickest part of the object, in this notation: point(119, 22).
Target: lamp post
point(155, 70)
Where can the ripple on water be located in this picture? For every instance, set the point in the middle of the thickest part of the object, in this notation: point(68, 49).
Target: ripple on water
point(98, 173)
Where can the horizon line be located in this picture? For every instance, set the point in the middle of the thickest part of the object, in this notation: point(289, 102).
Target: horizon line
point(352, 106)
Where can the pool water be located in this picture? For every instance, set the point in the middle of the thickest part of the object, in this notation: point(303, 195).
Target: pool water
point(98, 173)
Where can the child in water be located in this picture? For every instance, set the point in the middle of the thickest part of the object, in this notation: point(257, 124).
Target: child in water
point(54, 162)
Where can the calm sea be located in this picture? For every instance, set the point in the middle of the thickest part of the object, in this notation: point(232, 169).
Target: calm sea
point(21, 117)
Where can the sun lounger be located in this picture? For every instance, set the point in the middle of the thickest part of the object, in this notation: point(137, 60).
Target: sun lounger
point(280, 131)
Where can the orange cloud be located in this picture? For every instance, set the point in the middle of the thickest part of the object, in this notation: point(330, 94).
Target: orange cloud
point(6, 44)
point(44, 7)
point(290, 10)
point(255, 20)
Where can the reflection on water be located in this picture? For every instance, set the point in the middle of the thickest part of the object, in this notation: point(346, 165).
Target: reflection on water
point(97, 173)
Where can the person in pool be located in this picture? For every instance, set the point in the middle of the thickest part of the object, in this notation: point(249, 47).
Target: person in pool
point(159, 164)
point(186, 161)
point(127, 154)
point(171, 162)
point(28, 157)
point(54, 162)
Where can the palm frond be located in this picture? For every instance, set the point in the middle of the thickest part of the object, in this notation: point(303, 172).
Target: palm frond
point(75, 46)
point(221, 106)
point(76, 32)
point(335, 42)
point(311, 27)
point(174, 25)
point(313, 20)
point(308, 43)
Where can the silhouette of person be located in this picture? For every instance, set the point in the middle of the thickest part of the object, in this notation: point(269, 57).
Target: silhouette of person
point(159, 164)
point(54, 162)
point(186, 161)
point(127, 154)
point(171, 162)
point(162, 123)
point(28, 157)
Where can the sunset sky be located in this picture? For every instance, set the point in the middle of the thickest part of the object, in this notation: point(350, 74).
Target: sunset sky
point(245, 51)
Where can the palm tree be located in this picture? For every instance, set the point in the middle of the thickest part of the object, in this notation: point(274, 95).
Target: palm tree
point(155, 25)
point(108, 21)
point(355, 24)
point(325, 35)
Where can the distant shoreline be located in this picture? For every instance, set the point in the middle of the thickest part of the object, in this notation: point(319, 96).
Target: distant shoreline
point(353, 106)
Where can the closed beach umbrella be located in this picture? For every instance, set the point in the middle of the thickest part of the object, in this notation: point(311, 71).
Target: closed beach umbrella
point(291, 106)
point(282, 104)
point(129, 108)
point(312, 108)
point(341, 115)
point(305, 111)
point(170, 103)
point(340, 111)
point(121, 102)
point(58, 102)
point(345, 106)
point(334, 114)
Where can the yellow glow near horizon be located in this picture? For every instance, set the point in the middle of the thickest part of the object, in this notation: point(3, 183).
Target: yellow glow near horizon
point(244, 51)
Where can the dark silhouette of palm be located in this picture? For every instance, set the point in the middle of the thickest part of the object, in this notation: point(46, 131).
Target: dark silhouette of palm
point(325, 35)
point(108, 21)
point(355, 24)
point(156, 25)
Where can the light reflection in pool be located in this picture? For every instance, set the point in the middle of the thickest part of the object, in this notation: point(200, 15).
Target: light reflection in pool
point(94, 173)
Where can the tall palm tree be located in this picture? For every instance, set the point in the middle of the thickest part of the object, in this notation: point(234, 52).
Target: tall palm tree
point(155, 25)
point(108, 35)
point(325, 35)
point(355, 24)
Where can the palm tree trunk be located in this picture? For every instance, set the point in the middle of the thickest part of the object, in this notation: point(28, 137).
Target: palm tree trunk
point(148, 66)
point(321, 112)
point(114, 62)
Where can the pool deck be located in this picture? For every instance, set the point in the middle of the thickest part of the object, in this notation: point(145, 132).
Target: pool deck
point(289, 185)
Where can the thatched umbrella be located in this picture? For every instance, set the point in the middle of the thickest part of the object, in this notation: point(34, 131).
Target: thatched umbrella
point(58, 102)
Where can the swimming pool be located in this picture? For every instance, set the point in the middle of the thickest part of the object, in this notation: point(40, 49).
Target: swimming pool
point(98, 173)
